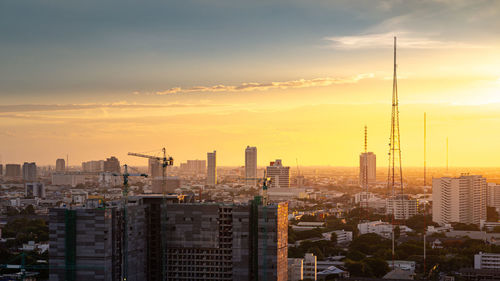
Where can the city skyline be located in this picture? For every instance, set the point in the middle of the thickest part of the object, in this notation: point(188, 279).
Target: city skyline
point(234, 86)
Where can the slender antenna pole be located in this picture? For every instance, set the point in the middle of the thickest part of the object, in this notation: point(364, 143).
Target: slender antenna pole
point(425, 184)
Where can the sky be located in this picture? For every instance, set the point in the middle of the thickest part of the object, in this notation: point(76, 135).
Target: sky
point(298, 79)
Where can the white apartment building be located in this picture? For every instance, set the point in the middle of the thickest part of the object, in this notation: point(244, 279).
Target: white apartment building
point(486, 261)
point(493, 195)
point(381, 228)
point(280, 175)
point(310, 266)
point(461, 199)
point(295, 269)
point(367, 168)
point(402, 206)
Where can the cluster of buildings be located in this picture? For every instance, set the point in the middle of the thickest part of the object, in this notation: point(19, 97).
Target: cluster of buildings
point(169, 238)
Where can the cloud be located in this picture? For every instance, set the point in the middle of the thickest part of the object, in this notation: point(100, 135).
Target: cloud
point(253, 86)
point(408, 40)
point(68, 107)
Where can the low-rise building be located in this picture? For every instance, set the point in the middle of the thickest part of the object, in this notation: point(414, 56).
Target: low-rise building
point(487, 261)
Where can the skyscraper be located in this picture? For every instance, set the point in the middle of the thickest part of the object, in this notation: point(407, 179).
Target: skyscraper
point(368, 162)
point(29, 171)
point(251, 165)
point(212, 168)
point(280, 175)
point(13, 170)
point(461, 199)
point(60, 165)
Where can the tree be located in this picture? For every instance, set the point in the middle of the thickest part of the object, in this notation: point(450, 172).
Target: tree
point(378, 266)
point(397, 232)
point(333, 238)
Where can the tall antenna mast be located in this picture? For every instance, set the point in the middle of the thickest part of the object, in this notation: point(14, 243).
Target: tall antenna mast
point(393, 177)
point(425, 184)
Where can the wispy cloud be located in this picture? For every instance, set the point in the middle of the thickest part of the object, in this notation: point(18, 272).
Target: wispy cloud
point(69, 107)
point(385, 40)
point(252, 86)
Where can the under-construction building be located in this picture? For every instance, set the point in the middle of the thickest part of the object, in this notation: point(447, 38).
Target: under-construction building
point(204, 241)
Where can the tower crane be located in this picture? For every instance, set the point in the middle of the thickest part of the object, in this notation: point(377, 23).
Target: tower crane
point(265, 184)
point(125, 176)
point(165, 162)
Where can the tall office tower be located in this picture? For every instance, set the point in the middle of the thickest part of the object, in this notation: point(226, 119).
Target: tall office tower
point(251, 165)
point(280, 175)
point(212, 168)
point(368, 162)
point(155, 168)
point(227, 242)
point(29, 171)
point(112, 165)
point(402, 206)
point(493, 195)
point(461, 199)
point(1, 170)
point(87, 243)
point(60, 165)
point(13, 170)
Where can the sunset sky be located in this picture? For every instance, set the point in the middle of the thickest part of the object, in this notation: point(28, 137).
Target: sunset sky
point(297, 79)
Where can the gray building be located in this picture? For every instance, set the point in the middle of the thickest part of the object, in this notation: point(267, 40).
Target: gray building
point(251, 165)
point(60, 165)
point(212, 168)
point(170, 241)
point(13, 170)
point(29, 171)
point(87, 243)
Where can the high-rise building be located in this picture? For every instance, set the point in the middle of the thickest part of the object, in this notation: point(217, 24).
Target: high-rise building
point(203, 241)
point(493, 195)
point(89, 241)
point(461, 199)
point(1, 170)
point(251, 165)
point(13, 170)
point(60, 165)
point(368, 162)
point(112, 165)
point(280, 175)
point(402, 206)
point(212, 168)
point(29, 171)
point(34, 190)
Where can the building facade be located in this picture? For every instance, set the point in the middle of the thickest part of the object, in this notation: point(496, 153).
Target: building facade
point(487, 261)
point(13, 170)
point(367, 168)
point(170, 241)
point(280, 175)
point(402, 207)
point(112, 165)
point(461, 199)
point(251, 165)
point(493, 195)
point(60, 165)
point(212, 168)
point(29, 171)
